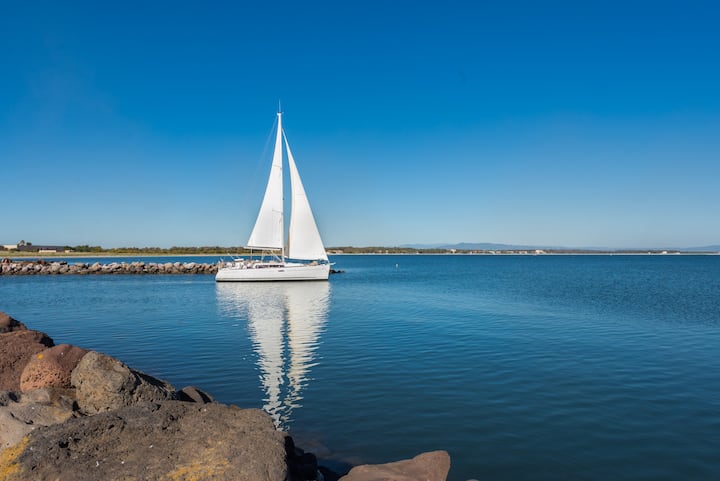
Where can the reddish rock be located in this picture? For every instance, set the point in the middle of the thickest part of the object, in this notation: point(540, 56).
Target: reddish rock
point(8, 324)
point(16, 349)
point(51, 367)
point(433, 466)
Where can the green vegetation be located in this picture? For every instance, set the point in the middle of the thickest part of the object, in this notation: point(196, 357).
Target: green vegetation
point(161, 251)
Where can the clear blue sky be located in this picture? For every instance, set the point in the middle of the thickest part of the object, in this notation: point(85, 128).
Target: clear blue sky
point(564, 123)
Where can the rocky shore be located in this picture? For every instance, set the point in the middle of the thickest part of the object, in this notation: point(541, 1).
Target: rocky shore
point(67, 413)
point(42, 267)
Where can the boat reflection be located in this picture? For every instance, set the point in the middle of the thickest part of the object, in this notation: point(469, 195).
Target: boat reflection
point(285, 320)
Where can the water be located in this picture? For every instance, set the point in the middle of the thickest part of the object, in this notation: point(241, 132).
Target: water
point(522, 367)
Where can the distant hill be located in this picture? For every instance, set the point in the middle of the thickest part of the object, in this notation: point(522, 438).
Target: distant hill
point(715, 248)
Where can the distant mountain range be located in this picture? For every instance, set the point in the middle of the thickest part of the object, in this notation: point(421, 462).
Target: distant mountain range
point(715, 248)
point(489, 246)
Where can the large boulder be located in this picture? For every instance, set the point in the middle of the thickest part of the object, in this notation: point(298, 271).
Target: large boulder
point(16, 349)
point(170, 440)
point(8, 324)
point(51, 367)
point(103, 384)
point(20, 414)
point(432, 466)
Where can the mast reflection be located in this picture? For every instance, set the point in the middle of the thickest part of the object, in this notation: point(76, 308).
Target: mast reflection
point(285, 320)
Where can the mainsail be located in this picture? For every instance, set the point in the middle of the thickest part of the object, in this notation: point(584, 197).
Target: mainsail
point(268, 230)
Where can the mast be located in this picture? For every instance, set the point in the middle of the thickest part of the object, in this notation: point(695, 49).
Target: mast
point(278, 149)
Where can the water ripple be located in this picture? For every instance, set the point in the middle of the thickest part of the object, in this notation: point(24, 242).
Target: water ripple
point(524, 368)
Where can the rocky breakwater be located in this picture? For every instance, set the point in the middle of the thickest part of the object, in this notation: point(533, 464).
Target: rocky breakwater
point(67, 413)
point(42, 267)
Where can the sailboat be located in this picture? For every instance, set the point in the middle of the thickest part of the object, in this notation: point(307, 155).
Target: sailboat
point(304, 257)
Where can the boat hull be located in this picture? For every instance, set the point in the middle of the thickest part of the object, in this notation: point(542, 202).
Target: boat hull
point(296, 272)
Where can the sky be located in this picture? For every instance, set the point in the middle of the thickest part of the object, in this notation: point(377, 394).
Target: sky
point(554, 123)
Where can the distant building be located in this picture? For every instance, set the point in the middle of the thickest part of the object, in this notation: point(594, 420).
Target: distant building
point(41, 249)
point(10, 247)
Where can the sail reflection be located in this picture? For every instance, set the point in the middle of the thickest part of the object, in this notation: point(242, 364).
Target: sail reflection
point(285, 320)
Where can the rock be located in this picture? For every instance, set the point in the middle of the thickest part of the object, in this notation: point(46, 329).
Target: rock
point(303, 466)
point(433, 466)
point(16, 350)
point(78, 268)
point(103, 383)
point(21, 414)
point(8, 324)
point(169, 440)
point(51, 367)
point(194, 394)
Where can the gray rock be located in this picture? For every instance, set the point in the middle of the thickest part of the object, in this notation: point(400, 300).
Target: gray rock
point(432, 466)
point(194, 394)
point(113, 268)
point(168, 440)
point(20, 414)
point(103, 384)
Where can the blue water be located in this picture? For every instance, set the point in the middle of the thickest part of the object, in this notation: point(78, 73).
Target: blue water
point(522, 367)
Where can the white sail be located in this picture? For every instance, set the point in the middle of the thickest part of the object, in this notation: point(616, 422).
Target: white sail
point(269, 229)
point(304, 240)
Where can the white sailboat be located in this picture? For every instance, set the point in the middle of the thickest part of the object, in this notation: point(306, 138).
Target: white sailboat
point(304, 257)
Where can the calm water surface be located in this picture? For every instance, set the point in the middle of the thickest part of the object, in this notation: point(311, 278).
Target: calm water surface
point(522, 367)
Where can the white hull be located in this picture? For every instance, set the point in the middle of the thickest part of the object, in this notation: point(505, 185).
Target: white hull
point(252, 272)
